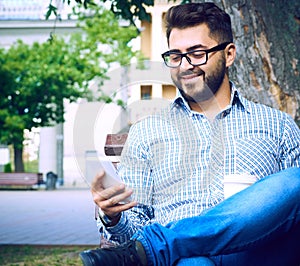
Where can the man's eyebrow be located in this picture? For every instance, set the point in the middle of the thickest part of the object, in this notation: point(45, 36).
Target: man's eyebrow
point(192, 48)
point(195, 47)
point(174, 51)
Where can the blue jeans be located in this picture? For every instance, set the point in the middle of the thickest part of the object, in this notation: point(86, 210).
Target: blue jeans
point(257, 226)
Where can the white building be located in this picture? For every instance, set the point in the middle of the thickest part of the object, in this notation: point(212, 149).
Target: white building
point(87, 124)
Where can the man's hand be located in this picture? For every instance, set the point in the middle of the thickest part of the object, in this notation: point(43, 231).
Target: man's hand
point(108, 200)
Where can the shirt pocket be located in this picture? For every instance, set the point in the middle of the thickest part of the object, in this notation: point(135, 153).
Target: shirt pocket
point(256, 156)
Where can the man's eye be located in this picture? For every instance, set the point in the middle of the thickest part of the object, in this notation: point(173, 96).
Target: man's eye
point(197, 54)
point(175, 57)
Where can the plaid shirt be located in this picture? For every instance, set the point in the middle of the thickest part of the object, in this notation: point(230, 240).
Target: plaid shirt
point(176, 160)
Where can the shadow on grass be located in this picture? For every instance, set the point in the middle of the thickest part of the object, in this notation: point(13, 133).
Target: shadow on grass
point(40, 255)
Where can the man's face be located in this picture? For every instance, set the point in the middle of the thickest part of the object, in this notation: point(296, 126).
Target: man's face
point(199, 83)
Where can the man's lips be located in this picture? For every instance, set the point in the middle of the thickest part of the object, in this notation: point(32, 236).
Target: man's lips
point(190, 75)
point(193, 77)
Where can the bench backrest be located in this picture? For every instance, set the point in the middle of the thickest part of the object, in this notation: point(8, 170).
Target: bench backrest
point(114, 144)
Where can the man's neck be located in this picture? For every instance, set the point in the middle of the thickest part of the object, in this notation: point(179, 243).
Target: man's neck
point(210, 108)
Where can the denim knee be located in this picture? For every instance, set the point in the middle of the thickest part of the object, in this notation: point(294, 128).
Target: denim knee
point(290, 175)
point(195, 261)
point(287, 176)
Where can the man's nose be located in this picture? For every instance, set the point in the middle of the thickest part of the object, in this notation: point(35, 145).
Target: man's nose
point(185, 64)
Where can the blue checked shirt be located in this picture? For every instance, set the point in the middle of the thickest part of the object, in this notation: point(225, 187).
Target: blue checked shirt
point(176, 160)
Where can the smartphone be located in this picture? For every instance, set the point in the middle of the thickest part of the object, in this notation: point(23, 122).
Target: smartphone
point(111, 177)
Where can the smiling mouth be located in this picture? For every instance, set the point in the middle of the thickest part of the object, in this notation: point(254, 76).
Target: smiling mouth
point(191, 75)
point(191, 78)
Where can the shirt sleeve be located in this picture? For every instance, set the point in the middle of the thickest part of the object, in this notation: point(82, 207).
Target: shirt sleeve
point(135, 170)
point(129, 223)
point(290, 144)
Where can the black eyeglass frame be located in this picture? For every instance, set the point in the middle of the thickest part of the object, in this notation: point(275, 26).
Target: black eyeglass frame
point(216, 48)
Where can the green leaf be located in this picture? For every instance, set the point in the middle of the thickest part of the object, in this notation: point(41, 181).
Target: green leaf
point(51, 9)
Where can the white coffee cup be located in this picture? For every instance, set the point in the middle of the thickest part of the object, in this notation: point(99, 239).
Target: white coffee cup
point(235, 183)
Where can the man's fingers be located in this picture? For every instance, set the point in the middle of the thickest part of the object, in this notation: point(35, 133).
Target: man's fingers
point(114, 210)
point(120, 197)
point(105, 194)
point(114, 200)
point(96, 184)
point(112, 195)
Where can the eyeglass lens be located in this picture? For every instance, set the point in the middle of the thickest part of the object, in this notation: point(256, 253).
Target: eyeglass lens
point(194, 58)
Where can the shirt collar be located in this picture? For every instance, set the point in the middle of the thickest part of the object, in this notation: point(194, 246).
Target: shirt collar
point(236, 100)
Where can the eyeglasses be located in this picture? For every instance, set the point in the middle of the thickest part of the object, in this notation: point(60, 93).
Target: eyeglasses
point(195, 58)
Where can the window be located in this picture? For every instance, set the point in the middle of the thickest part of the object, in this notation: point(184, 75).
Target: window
point(146, 36)
point(168, 92)
point(146, 92)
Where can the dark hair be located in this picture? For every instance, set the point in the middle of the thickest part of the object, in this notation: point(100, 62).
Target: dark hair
point(192, 14)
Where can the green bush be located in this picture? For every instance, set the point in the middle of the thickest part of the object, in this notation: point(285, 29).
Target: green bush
point(31, 166)
point(7, 168)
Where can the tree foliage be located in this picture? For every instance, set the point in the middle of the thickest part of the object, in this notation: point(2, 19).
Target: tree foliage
point(105, 37)
point(35, 80)
point(128, 10)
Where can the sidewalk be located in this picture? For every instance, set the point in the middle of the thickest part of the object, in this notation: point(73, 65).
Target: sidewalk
point(58, 217)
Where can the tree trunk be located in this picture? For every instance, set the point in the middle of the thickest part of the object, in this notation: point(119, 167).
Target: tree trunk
point(18, 155)
point(267, 36)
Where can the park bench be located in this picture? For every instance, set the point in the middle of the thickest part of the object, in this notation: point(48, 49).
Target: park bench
point(24, 180)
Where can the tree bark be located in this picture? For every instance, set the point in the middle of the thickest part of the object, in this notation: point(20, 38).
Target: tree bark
point(18, 155)
point(267, 36)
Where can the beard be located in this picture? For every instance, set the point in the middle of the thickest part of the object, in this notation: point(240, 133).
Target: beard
point(202, 90)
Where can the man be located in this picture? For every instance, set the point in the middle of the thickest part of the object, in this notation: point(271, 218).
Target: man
point(178, 161)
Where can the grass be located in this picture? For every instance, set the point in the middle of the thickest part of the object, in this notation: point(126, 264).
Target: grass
point(41, 255)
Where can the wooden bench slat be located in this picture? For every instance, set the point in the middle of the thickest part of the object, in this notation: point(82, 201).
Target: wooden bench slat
point(114, 144)
point(21, 179)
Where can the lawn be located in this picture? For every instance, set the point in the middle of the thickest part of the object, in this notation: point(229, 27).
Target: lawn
point(39, 255)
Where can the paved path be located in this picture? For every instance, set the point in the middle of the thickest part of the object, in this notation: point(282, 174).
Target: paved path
point(59, 217)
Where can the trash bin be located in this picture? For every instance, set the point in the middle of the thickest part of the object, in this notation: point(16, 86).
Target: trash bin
point(51, 181)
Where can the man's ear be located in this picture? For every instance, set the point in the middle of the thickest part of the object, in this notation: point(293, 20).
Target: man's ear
point(230, 53)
